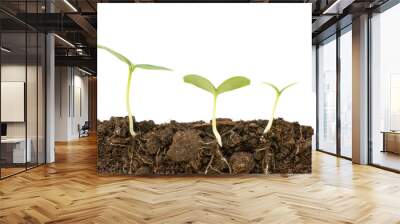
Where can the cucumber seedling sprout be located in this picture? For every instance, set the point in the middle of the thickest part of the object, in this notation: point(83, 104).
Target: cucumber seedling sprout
point(131, 68)
point(278, 93)
point(230, 84)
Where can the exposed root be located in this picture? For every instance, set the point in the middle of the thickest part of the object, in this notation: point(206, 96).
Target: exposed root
point(266, 161)
point(224, 159)
point(217, 152)
point(209, 164)
point(119, 145)
point(130, 154)
point(207, 143)
point(209, 135)
point(262, 149)
point(215, 170)
point(266, 169)
point(140, 145)
point(230, 131)
point(144, 159)
point(229, 166)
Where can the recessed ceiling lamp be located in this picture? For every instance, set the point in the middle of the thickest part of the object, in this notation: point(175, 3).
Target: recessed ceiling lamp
point(5, 50)
point(65, 41)
point(70, 5)
point(79, 51)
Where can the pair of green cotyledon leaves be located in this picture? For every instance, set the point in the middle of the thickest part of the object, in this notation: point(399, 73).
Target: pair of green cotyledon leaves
point(230, 84)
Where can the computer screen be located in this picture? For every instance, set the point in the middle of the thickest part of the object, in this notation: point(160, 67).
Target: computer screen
point(3, 129)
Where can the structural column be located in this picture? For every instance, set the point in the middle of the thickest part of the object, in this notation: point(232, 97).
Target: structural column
point(360, 90)
point(50, 92)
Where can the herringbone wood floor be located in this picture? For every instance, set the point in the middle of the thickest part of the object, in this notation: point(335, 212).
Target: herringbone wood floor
point(70, 191)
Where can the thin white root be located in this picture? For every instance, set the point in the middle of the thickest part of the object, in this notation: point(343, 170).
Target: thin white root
point(262, 149)
point(207, 143)
point(229, 167)
point(209, 164)
point(215, 170)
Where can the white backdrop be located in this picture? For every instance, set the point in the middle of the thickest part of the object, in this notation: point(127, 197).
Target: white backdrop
point(264, 42)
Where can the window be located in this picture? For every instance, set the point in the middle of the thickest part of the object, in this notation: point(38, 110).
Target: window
point(327, 96)
point(346, 93)
point(385, 89)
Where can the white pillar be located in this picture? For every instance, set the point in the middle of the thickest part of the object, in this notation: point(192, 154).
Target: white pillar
point(50, 98)
point(360, 90)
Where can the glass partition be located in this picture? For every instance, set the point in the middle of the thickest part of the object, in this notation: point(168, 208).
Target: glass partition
point(22, 77)
point(327, 96)
point(14, 153)
point(32, 95)
point(41, 97)
point(385, 89)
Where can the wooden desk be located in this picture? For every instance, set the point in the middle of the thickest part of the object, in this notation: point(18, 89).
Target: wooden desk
point(391, 141)
point(13, 150)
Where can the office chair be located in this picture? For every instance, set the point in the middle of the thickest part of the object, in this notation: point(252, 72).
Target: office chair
point(84, 130)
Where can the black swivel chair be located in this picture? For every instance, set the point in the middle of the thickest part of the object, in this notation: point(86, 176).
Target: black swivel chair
point(84, 130)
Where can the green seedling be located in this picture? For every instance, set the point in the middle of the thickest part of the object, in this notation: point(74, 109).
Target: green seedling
point(278, 93)
point(131, 68)
point(228, 85)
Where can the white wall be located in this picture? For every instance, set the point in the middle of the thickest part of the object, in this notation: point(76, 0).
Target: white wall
point(16, 73)
point(70, 82)
point(253, 40)
point(33, 127)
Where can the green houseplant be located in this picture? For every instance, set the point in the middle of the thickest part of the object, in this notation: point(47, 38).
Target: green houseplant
point(131, 68)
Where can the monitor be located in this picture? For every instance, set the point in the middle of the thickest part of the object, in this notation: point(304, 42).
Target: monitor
point(3, 129)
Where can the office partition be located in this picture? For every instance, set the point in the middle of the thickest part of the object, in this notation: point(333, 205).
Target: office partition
point(22, 77)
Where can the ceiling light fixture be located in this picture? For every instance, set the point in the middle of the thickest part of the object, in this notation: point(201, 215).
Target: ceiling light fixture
point(5, 50)
point(65, 41)
point(84, 71)
point(70, 5)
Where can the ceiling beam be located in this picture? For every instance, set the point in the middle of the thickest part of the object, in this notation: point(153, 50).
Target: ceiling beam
point(86, 27)
point(81, 61)
point(338, 6)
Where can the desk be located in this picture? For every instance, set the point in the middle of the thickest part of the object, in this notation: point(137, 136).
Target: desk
point(13, 150)
point(391, 141)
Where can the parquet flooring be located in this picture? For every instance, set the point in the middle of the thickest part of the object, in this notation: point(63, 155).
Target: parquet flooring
point(10, 171)
point(70, 191)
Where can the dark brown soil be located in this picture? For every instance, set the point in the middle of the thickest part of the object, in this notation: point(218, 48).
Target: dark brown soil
point(191, 149)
